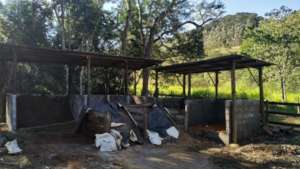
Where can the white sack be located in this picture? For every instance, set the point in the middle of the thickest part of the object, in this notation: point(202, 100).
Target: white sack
point(114, 125)
point(106, 142)
point(118, 137)
point(154, 137)
point(173, 132)
point(12, 147)
point(133, 136)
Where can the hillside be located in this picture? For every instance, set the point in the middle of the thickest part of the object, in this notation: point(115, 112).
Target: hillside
point(225, 35)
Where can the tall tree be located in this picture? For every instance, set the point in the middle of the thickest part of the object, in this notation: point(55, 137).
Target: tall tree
point(273, 41)
point(158, 19)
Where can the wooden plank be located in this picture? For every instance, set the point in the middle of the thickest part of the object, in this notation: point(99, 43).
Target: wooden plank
point(283, 103)
point(145, 124)
point(282, 113)
point(285, 124)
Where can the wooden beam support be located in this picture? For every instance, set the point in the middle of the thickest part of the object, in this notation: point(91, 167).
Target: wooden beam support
point(107, 81)
point(184, 85)
point(233, 103)
point(156, 93)
point(189, 85)
point(89, 79)
point(261, 95)
point(81, 80)
point(216, 85)
point(69, 79)
point(126, 79)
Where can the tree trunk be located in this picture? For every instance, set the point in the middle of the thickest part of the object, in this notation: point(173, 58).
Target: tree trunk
point(146, 71)
point(124, 33)
point(283, 89)
point(145, 90)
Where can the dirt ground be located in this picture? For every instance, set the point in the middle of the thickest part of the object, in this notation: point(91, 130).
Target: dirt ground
point(59, 148)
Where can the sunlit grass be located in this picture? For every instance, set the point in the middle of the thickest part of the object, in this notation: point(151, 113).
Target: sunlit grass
point(243, 92)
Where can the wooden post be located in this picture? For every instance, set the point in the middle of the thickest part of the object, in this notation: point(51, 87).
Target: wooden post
point(216, 85)
point(156, 93)
point(67, 79)
point(261, 95)
point(233, 102)
point(267, 112)
point(189, 85)
point(81, 80)
point(126, 91)
point(107, 82)
point(184, 85)
point(89, 79)
point(14, 78)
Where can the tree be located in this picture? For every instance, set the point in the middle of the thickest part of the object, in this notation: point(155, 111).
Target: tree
point(273, 41)
point(155, 20)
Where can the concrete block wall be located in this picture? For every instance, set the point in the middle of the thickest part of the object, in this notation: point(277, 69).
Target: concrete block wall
point(23, 111)
point(39, 110)
point(205, 111)
point(173, 102)
point(248, 119)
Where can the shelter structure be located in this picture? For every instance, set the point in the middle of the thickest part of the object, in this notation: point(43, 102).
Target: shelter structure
point(216, 65)
point(36, 110)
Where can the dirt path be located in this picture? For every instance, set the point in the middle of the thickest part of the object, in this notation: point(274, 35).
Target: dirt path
point(165, 157)
point(61, 149)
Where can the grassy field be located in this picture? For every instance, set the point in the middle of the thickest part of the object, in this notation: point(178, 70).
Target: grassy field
point(243, 92)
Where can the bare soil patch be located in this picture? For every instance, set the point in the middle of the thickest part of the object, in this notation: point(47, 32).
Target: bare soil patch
point(59, 148)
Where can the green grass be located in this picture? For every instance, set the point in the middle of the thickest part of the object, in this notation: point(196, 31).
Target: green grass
point(243, 92)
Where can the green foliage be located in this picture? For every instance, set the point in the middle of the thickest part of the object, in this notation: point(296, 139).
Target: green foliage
point(28, 23)
point(276, 40)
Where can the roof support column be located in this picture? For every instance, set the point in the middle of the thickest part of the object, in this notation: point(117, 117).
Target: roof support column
point(81, 79)
point(107, 81)
point(216, 85)
point(14, 72)
point(261, 95)
point(233, 103)
point(156, 93)
point(126, 90)
point(189, 85)
point(89, 79)
point(69, 86)
point(184, 85)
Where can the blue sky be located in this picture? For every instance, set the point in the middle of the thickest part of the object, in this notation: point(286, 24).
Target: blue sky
point(258, 6)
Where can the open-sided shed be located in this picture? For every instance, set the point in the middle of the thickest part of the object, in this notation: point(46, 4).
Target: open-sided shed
point(35, 110)
point(216, 65)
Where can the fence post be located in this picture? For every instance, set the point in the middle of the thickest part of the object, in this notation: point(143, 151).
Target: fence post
point(298, 107)
point(267, 113)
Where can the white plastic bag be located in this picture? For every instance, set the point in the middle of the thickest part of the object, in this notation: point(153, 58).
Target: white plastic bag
point(173, 132)
point(118, 138)
point(106, 142)
point(133, 136)
point(12, 147)
point(114, 125)
point(154, 137)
